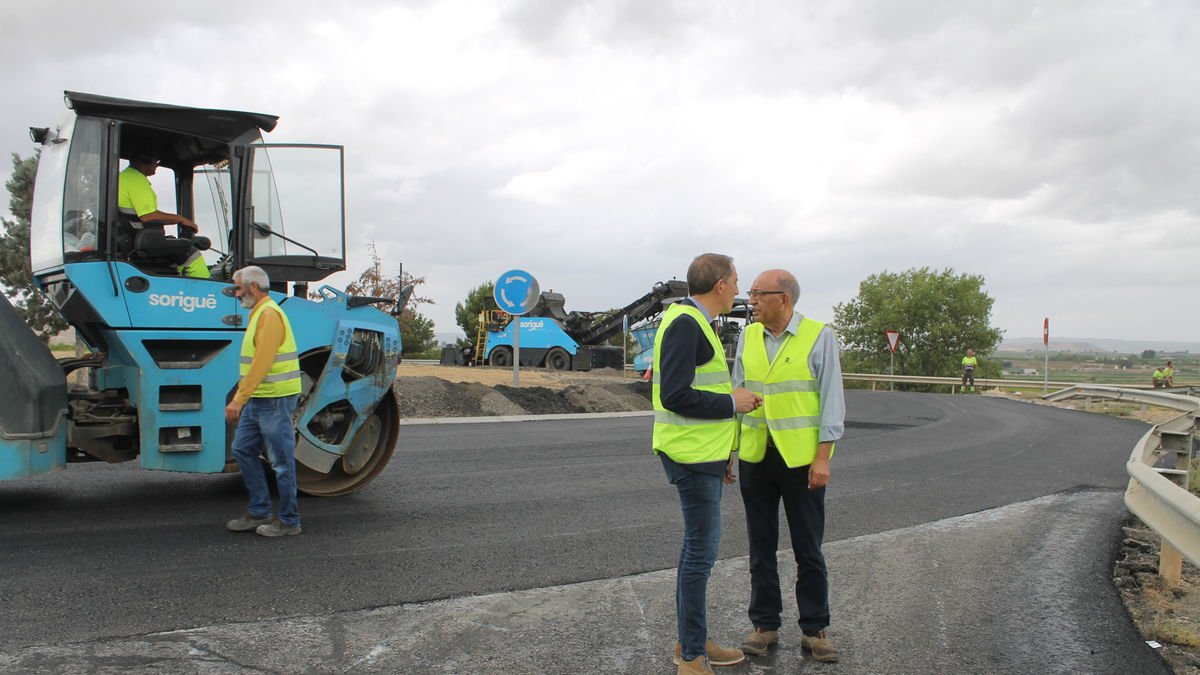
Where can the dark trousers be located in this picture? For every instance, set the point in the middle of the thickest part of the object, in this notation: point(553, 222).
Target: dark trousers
point(763, 486)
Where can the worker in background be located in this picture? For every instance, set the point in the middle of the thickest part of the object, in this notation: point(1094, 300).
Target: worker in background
point(968, 370)
point(263, 407)
point(1157, 378)
point(784, 453)
point(136, 198)
point(1169, 374)
point(695, 432)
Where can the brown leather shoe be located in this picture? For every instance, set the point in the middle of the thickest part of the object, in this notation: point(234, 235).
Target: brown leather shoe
point(758, 642)
point(697, 666)
point(717, 655)
point(820, 646)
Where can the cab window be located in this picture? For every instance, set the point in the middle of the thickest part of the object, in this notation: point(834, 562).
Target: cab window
point(81, 230)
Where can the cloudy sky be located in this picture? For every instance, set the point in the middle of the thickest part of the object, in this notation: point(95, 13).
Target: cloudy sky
point(1052, 147)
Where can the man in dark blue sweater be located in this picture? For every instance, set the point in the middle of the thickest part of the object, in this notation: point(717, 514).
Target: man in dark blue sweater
point(695, 431)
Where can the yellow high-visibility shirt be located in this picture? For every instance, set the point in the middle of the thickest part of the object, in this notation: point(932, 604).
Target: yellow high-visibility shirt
point(267, 339)
point(135, 194)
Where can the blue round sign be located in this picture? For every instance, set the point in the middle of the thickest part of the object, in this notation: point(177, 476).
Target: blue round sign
point(516, 292)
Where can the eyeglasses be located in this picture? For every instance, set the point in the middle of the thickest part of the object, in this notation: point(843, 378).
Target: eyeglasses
point(754, 293)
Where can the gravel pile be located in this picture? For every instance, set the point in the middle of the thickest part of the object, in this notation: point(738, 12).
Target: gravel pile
point(541, 400)
point(435, 397)
point(427, 396)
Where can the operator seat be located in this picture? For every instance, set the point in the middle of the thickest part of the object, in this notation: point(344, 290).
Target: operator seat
point(147, 245)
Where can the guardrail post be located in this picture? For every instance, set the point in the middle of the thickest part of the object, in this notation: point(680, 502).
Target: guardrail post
point(1170, 562)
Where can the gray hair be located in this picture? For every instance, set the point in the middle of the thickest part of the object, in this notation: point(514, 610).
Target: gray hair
point(788, 283)
point(252, 274)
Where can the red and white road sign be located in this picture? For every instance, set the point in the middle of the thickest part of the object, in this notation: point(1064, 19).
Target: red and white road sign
point(1046, 332)
point(893, 339)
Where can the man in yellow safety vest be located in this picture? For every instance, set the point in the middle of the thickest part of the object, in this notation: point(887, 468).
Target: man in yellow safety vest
point(784, 453)
point(263, 407)
point(695, 432)
point(968, 370)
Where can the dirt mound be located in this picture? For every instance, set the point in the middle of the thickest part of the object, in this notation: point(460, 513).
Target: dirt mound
point(435, 397)
point(636, 393)
point(543, 400)
point(495, 403)
point(431, 396)
point(602, 399)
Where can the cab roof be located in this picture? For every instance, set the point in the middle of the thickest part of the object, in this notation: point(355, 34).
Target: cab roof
point(220, 125)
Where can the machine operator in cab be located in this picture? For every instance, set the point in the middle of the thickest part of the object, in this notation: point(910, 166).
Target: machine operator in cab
point(136, 197)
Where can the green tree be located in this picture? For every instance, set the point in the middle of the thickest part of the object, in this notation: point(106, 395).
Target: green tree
point(1149, 354)
point(416, 330)
point(466, 313)
point(939, 316)
point(16, 278)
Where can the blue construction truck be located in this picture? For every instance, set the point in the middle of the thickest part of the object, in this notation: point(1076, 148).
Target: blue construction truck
point(162, 349)
point(559, 340)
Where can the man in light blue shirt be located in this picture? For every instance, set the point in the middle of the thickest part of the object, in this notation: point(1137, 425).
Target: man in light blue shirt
point(784, 457)
point(825, 364)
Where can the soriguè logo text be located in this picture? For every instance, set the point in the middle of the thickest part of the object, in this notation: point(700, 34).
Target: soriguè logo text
point(188, 303)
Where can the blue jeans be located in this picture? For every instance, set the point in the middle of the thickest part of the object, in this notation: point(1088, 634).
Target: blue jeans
point(700, 497)
point(267, 422)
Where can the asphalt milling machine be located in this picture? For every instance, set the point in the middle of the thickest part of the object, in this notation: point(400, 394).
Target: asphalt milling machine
point(164, 349)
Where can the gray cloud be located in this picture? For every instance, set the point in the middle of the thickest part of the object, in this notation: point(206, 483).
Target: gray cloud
point(1052, 147)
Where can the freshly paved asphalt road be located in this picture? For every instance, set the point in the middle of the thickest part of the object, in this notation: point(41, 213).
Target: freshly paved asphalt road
point(100, 552)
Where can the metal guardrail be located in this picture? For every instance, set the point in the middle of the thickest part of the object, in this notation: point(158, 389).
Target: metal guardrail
point(953, 382)
point(1160, 495)
point(982, 382)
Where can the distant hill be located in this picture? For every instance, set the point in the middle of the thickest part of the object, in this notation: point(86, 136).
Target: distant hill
point(1096, 345)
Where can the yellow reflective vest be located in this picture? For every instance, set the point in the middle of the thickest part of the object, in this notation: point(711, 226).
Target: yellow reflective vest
point(283, 378)
point(791, 409)
point(692, 440)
